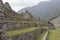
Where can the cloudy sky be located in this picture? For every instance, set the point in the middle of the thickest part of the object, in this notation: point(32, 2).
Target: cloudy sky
point(19, 4)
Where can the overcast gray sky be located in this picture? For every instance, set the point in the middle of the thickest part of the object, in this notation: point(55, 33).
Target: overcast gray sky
point(19, 4)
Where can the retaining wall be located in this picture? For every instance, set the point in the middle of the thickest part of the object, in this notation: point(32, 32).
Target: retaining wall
point(26, 36)
point(18, 25)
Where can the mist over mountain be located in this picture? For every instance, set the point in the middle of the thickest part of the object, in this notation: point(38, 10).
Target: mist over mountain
point(45, 10)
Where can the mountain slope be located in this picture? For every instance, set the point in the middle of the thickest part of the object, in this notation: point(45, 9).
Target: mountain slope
point(45, 10)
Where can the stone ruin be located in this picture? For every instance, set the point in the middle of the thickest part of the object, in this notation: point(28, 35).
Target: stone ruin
point(7, 14)
point(2, 25)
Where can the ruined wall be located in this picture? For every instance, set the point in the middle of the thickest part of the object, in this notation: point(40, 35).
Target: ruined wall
point(26, 36)
point(19, 25)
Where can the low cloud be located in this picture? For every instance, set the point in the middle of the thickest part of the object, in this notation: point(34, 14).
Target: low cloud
point(19, 4)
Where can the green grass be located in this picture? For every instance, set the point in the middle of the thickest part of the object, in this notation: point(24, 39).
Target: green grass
point(16, 32)
point(44, 27)
point(54, 35)
point(40, 36)
point(22, 21)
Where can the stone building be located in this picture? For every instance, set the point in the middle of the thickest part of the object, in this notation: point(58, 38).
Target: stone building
point(7, 6)
point(27, 15)
point(2, 24)
point(9, 13)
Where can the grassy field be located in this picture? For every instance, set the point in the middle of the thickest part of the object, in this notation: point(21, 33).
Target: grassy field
point(15, 32)
point(54, 35)
point(40, 36)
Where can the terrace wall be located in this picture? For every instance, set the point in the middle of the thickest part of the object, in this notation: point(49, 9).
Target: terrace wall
point(19, 25)
point(26, 36)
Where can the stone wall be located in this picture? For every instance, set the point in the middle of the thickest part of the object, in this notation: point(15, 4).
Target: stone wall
point(18, 25)
point(26, 36)
point(45, 36)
